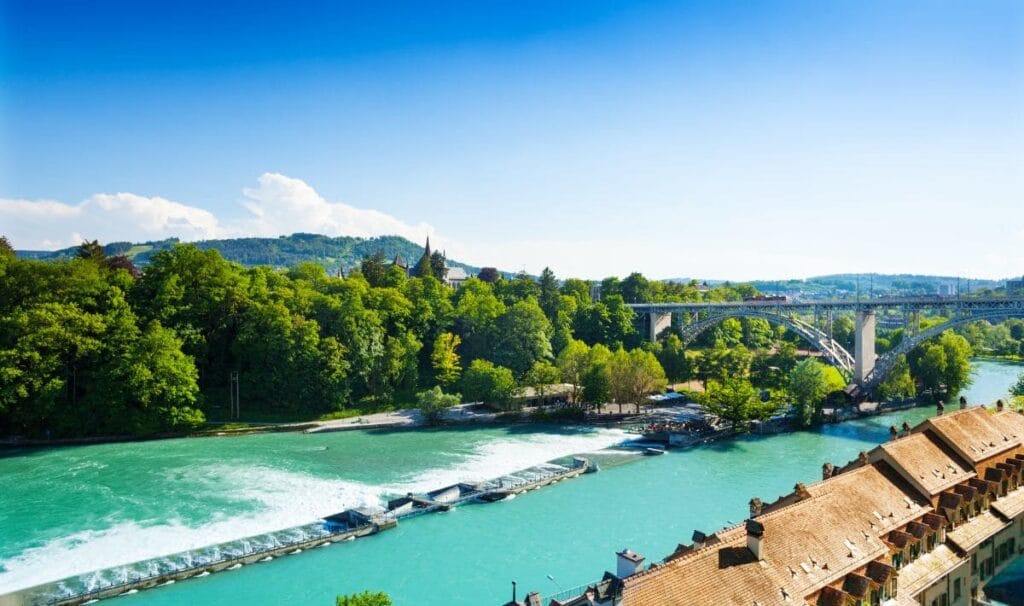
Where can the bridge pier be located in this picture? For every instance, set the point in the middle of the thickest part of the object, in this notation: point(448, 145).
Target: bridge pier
point(863, 345)
point(657, 322)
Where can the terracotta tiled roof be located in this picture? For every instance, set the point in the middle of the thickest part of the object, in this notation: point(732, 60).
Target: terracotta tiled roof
point(856, 585)
point(950, 500)
point(967, 536)
point(976, 434)
point(1012, 421)
point(917, 529)
point(923, 461)
point(831, 596)
point(923, 571)
point(1011, 505)
point(899, 539)
point(968, 492)
point(933, 520)
point(857, 507)
point(879, 572)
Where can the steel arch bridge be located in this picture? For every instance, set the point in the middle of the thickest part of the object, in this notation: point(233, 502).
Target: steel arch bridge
point(885, 362)
point(862, 367)
point(829, 347)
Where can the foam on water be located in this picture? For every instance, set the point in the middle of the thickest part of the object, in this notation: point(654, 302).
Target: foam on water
point(283, 499)
point(504, 456)
point(270, 499)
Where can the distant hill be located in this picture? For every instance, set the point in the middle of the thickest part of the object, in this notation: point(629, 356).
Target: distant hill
point(285, 251)
point(841, 285)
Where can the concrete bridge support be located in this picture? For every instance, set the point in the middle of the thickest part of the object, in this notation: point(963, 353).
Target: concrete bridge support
point(863, 345)
point(657, 322)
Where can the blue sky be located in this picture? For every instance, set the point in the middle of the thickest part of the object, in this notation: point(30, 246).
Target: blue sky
point(717, 139)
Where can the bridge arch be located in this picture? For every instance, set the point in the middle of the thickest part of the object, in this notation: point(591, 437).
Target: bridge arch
point(885, 362)
point(835, 353)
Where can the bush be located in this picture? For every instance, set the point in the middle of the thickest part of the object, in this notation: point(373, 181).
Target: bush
point(365, 598)
point(433, 402)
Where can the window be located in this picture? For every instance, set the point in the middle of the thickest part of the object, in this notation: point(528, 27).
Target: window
point(974, 564)
point(956, 589)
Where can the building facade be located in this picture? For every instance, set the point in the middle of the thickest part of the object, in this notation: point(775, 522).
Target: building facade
point(926, 519)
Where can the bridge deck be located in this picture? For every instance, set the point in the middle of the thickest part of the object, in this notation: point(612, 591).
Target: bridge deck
point(964, 303)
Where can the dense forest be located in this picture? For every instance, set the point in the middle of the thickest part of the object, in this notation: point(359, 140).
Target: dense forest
point(91, 345)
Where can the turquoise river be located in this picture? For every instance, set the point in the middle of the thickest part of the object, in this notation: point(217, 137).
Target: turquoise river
point(66, 511)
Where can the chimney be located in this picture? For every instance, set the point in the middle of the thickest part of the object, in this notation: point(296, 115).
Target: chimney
point(533, 599)
point(893, 434)
point(999, 405)
point(827, 471)
point(862, 458)
point(755, 538)
point(963, 402)
point(755, 507)
point(940, 408)
point(628, 563)
point(801, 491)
point(698, 539)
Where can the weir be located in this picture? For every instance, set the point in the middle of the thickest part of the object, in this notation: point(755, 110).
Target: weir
point(344, 526)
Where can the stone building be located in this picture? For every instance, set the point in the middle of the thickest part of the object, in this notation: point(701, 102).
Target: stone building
point(923, 520)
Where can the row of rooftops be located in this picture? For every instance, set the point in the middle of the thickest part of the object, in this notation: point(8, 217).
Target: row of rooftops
point(831, 539)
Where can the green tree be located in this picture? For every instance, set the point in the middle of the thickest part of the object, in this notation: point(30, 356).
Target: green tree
point(485, 382)
point(957, 374)
point(634, 375)
point(672, 357)
point(541, 376)
point(549, 294)
point(597, 379)
point(445, 359)
point(636, 289)
point(476, 315)
point(729, 333)
point(578, 290)
point(930, 367)
point(809, 383)
point(433, 402)
point(374, 269)
point(898, 384)
point(573, 363)
point(6, 250)
point(757, 333)
point(438, 265)
point(424, 268)
point(733, 400)
point(522, 337)
point(91, 251)
point(365, 598)
point(1018, 387)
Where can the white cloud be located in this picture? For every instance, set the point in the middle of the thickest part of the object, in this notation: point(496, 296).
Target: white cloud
point(48, 224)
point(283, 205)
point(280, 205)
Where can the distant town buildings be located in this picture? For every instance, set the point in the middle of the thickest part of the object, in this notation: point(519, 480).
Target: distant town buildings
point(1015, 287)
point(946, 289)
point(923, 520)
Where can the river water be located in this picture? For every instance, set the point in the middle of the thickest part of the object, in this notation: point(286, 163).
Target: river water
point(71, 510)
